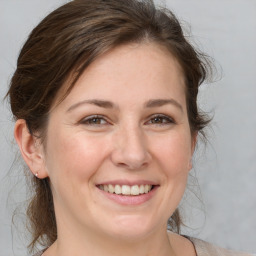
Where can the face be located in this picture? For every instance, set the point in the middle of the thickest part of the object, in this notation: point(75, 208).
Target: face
point(119, 147)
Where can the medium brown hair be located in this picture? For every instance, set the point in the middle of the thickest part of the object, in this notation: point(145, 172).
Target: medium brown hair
point(65, 43)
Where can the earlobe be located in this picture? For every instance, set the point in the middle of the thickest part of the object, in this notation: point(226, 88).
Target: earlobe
point(30, 148)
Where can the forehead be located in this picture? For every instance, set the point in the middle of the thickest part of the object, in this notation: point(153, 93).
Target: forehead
point(134, 66)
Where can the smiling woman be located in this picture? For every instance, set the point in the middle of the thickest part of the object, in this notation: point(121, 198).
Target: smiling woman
point(105, 102)
point(96, 154)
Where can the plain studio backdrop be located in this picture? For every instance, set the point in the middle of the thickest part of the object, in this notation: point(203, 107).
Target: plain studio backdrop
point(225, 169)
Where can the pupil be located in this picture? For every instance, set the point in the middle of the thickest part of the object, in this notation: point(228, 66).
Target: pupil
point(95, 120)
point(157, 119)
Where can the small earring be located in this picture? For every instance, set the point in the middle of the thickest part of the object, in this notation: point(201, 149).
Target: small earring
point(36, 174)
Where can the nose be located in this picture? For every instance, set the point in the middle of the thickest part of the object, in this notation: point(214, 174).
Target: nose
point(130, 149)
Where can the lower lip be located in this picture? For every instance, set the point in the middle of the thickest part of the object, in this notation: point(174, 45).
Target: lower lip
point(130, 200)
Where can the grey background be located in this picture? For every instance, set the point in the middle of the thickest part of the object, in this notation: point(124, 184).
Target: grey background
point(225, 168)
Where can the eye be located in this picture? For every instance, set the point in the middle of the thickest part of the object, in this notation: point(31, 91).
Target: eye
point(160, 120)
point(96, 120)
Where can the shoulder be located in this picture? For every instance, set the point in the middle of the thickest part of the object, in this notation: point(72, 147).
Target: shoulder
point(181, 245)
point(204, 248)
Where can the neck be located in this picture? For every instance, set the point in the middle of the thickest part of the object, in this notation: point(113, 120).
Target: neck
point(75, 244)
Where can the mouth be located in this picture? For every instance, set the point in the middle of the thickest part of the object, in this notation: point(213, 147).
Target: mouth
point(126, 190)
point(128, 193)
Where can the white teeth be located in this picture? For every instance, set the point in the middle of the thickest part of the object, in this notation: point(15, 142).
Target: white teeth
point(126, 189)
point(146, 188)
point(111, 189)
point(118, 189)
point(135, 190)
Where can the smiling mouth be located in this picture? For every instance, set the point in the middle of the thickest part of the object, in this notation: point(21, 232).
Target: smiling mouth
point(126, 190)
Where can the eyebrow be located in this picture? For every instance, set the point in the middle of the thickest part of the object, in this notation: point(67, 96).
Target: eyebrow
point(96, 102)
point(108, 104)
point(162, 102)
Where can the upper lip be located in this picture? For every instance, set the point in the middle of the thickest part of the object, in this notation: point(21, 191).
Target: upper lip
point(128, 182)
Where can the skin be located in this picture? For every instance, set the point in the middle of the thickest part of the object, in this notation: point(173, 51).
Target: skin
point(128, 141)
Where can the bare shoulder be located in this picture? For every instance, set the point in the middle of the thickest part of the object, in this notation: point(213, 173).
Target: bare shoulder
point(204, 248)
point(181, 245)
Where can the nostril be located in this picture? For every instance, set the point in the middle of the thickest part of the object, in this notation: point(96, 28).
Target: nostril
point(131, 152)
point(136, 165)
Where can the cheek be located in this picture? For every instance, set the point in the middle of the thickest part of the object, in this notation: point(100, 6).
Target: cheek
point(76, 156)
point(174, 153)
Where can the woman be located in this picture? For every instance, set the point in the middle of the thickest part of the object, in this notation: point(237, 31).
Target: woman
point(105, 98)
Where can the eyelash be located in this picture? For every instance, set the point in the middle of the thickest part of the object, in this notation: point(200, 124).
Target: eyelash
point(167, 120)
point(92, 120)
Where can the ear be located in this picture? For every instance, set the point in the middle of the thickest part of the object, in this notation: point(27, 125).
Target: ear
point(193, 146)
point(31, 149)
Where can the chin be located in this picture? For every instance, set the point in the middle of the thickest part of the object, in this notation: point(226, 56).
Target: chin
point(132, 227)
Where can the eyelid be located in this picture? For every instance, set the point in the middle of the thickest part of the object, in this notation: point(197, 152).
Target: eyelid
point(86, 119)
point(169, 119)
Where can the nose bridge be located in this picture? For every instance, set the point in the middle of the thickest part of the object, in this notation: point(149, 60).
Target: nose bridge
point(131, 147)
